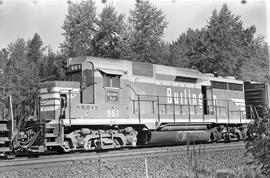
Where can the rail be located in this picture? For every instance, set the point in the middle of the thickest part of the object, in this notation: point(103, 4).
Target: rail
point(56, 160)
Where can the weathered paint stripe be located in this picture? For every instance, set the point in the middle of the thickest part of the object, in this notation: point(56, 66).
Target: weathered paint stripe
point(143, 121)
point(50, 102)
point(49, 108)
point(50, 95)
point(50, 84)
point(60, 89)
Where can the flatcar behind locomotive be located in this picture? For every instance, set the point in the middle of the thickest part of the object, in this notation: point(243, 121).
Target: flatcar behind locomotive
point(110, 103)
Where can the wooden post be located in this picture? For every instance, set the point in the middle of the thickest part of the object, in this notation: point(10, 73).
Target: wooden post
point(189, 165)
point(11, 115)
point(195, 159)
point(99, 166)
point(146, 167)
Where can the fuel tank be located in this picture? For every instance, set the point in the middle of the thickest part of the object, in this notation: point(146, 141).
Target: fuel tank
point(178, 137)
point(182, 127)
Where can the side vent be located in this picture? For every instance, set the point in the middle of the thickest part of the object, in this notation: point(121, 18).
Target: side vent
point(144, 69)
point(185, 79)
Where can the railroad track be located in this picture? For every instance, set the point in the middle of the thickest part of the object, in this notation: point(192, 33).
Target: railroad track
point(73, 158)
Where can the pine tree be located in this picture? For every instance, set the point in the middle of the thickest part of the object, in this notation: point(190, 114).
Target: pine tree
point(80, 27)
point(35, 60)
point(224, 41)
point(148, 24)
point(53, 67)
point(109, 38)
point(256, 66)
point(34, 51)
point(223, 46)
point(190, 50)
point(17, 74)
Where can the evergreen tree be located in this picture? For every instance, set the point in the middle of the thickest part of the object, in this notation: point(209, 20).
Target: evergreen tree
point(108, 41)
point(189, 50)
point(61, 65)
point(34, 51)
point(224, 40)
point(23, 66)
point(163, 54)
point(17, 74)
point(258, 146)
point(256, 66)
point(34, 63)
point(3, 57)
point(148, 24)
point(177, 55)
point(80, 27)
point(22, 72)
point(53, 67)
point(223, 46)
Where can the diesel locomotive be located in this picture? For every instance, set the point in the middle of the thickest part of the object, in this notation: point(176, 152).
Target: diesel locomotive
point(111, 103)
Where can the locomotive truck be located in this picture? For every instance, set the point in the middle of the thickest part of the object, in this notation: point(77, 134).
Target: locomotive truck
point(112, 103)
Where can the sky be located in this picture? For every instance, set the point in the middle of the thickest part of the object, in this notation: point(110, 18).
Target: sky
point(23, 18)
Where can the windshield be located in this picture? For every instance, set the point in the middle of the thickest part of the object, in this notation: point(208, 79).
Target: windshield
point(74, 76)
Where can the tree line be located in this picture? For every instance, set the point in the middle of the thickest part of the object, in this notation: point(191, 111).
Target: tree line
point(223, 45)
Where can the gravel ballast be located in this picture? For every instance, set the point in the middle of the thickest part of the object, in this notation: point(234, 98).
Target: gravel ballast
point(202, 164)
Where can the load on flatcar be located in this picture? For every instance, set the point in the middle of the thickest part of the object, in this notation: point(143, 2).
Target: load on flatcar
point(111, 103)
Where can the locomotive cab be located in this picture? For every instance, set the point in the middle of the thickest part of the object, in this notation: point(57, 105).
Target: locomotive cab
point(84, 74)
point(74, 120)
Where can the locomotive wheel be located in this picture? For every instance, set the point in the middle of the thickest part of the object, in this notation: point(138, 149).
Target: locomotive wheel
point(118, 143)
point(95, 143)
point(66, 147)
point(218, 136)
point(227, 137)
point(212, 137)
point(88, 145)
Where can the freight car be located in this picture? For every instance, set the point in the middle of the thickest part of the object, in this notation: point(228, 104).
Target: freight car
point(110, 103)
point(6, 130)
point(257, 94)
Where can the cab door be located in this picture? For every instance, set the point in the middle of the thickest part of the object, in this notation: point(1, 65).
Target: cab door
point(87, 85)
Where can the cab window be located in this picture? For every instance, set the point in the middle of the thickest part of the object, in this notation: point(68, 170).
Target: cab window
point(87, 84)
point(88, 78)
point(110, 80)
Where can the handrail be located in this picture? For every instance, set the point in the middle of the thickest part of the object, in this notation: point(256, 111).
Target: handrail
point(133, 90)
point(218, 105)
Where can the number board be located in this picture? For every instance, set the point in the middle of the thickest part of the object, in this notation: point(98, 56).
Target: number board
point(112, 96)
point(75, 67)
